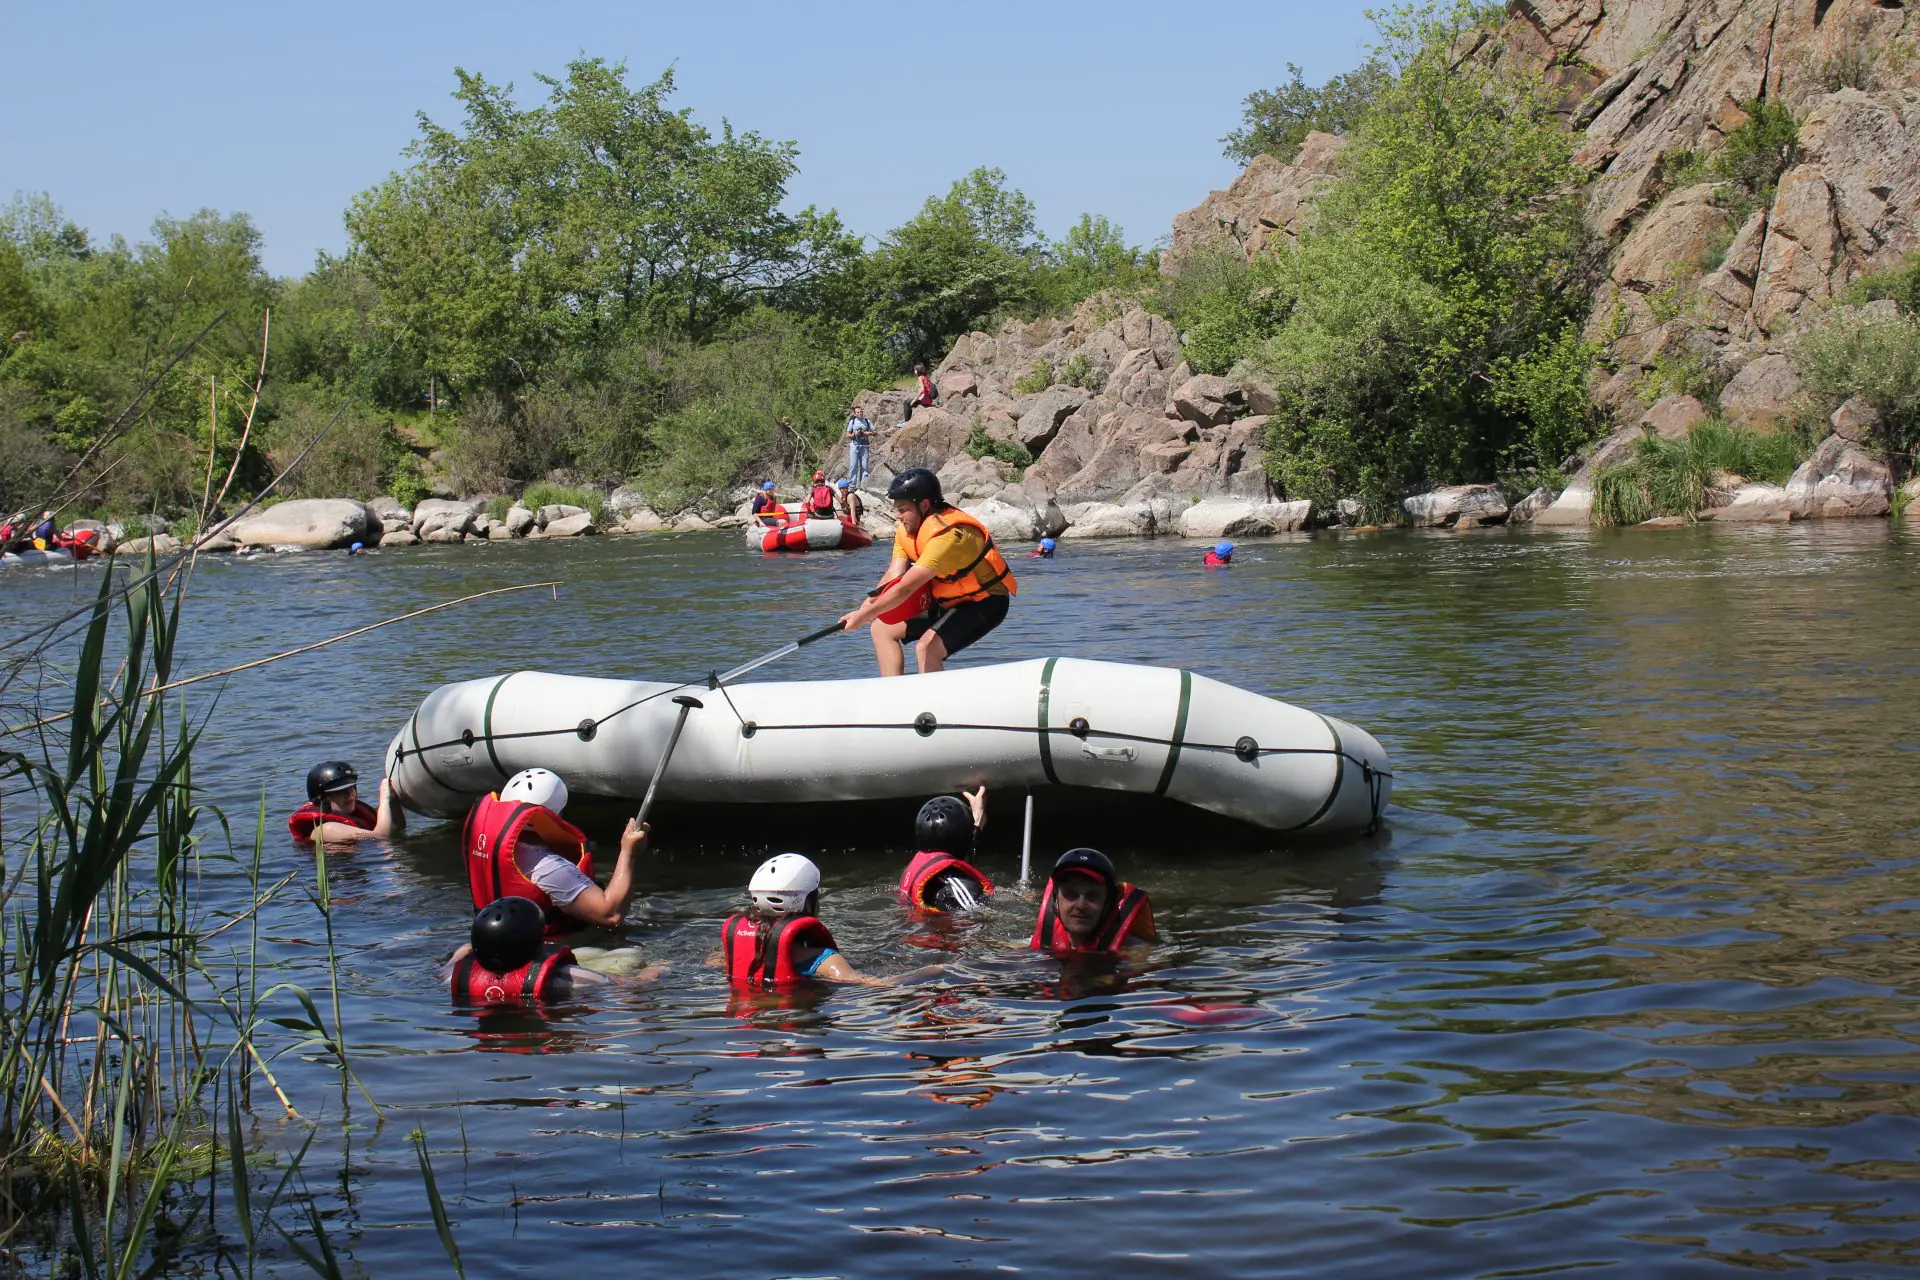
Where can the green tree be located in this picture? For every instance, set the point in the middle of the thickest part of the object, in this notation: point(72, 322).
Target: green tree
point(1093, 256)
point(1449, 253)
point(1277, 121)
point(963, 259)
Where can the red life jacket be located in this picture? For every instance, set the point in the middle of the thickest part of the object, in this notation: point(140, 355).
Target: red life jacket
point(494, 830)
point(474, 983)
point(924, 396)
point(1049, 934)
point(303, 820)
point(821, 501)
point(926, 865)
point(1213, 561)
point(739, 939)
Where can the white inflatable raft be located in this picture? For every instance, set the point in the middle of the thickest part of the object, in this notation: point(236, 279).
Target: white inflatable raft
point(1056, 722)
point(32, 559)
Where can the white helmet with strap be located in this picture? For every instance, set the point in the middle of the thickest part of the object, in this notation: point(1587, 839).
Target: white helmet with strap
point(536, 786)
point(783, 883)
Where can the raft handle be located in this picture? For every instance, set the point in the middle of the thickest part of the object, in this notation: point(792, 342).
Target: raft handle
point(924, 724)
point(1079, 727)
point(1247, 749)
point(586, 729)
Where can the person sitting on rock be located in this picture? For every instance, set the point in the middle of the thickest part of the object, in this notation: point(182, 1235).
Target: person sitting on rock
point(820, 500)
point(939, 878)
point(852, 509)
point(335, 813)
point(1086, 907)
point(1220, 557)
point(1044, 551)
point(923, 396)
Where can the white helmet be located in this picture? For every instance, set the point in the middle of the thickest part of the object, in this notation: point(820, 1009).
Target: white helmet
point(536, 786)
point(783, 883)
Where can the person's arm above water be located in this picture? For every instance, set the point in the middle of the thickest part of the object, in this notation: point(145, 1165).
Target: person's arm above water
point(389, 820)
point(833, 967)
point(608, 906)
point(977, 801)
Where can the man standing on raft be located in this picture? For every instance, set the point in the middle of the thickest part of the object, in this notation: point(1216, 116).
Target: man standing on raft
point(945, 553)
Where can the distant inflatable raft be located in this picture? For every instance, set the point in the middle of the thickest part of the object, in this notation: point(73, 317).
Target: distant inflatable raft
point(809, 535)
point(1056, 722)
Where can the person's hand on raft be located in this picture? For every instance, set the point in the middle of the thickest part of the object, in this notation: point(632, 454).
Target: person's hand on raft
point(977, 801)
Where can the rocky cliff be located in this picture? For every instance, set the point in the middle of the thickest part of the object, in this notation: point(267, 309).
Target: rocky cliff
point(1124, 436)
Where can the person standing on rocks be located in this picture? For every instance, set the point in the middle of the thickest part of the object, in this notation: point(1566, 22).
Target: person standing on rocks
point(947, 555)
point(859, 433)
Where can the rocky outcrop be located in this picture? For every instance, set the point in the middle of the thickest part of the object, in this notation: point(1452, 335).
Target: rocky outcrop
point(1763, 395)
point(1840, 480)
point(1221, 518)
point(1457, 506)
point(1269, 202)
point(308, 522)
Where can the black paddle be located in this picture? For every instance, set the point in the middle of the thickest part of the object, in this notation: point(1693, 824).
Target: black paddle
point(687, 702)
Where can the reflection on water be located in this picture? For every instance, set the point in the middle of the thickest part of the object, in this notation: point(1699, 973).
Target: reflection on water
point(1629, 981)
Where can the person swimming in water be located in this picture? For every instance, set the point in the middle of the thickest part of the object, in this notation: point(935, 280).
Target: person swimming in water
point(517, 844)
point(1220, 556)
point(335, 813)
point(507, 959)
point(939, 877)
point(1086, 907)
point(1044, 551)
point(779, 940)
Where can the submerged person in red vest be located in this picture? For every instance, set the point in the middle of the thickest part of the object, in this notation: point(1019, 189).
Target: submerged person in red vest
point(939, 878)
point(1220, 557)
point(517, 845)
point(1087, 907)
point(508, 959)
point(780, 940)
point(334, 811)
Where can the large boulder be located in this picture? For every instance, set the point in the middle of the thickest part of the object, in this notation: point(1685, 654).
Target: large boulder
point(645, 520)
point(1040, 415)
point(555, 511)
point(1842, 479)
point(309, 522)
point(1673, 416)
point(1007, 522)
point(969, 477)
point(1751, 504)
point(1857, 420)
point(1762, 395)
point(1525, 510)
point(1457, 506)
point(1109, 520)
point(434, 518)
point(567, 527)
point(386, 506)
point(160, 544)
point(1671, 241)
point(1224, 518)
point(1208, 400)
point(400, 538)
point(1574, 506)
point(933, 436)
point(519, 521)
point(624, 501)
point(1270, 201)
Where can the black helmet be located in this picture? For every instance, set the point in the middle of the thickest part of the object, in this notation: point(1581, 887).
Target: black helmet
point(1089, 862)
point(506, 934)
point(330, 775)
point(945, 825)
point(913, 485)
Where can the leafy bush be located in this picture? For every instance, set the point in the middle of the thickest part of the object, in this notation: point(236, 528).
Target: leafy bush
point(1547, 386)
point(1094, 257)
point(499, 505)
point(1757, 151)
point(406, 485)
point(30, 466)
point(1227, 323)
point(545, 494)
point(1685, 373)
point(1036, 379)
point(1856, 353)
point(1079, 373)
point(358, 457)
point(1675, 477)
point(1277, 121)
point(1902, 284)
point(981, 445)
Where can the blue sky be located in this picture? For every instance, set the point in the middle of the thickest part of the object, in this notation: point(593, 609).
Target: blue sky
point(124, 111)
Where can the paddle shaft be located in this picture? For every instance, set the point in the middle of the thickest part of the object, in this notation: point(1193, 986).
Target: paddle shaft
point(686, 703)
point(792, 646)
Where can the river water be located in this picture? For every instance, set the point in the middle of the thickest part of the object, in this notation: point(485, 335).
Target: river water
point(1629, 982)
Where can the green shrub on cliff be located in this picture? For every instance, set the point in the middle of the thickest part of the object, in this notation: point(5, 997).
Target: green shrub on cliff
point(1277, 121)
point(1853, 352)
point(1428, 337)
point(1675, 477)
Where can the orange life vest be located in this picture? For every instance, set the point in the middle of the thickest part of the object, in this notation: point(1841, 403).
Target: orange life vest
point(475, 983)
point(740, 940)
point(1049, 934)
point(494, 830)
point(302, 821)
point(926, 867)
point(988, 569)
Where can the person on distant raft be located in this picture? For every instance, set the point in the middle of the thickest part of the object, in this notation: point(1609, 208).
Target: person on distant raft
point(518, 845)
point(46, 531)
point(820, 500)
point(1044, 551)
point(923, 395)
point(939, 878)
point(859, 436)
point(766, 507)
point(335, 813)
point(851, 507)
point(780, 940)
point(1220, 556)
point(12, 529)
point(946, 553)
point(1086, 907)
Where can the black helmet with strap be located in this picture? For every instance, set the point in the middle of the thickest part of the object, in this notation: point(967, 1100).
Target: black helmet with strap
point(945, 825)
point(330, 775)
point(507, 934)
point(915, 484)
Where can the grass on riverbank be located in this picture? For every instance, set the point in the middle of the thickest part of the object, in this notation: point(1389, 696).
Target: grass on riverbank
point(1675, 477)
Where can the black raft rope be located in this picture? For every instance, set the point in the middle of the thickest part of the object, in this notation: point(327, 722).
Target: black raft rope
point(925, 725)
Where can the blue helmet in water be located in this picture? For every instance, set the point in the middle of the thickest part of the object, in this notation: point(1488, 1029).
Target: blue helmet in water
point(358, 546)
point(1223, 549)
point(1048, 544)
